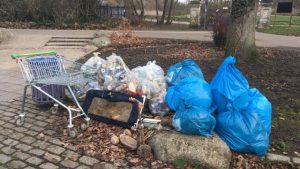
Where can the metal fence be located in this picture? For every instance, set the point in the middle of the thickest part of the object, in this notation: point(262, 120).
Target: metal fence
point(111, 11)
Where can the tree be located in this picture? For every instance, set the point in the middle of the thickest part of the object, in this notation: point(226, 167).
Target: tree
point(170, 12)
point(132, 8)
point(164, 12)
point(241, 36)
point(156, 6)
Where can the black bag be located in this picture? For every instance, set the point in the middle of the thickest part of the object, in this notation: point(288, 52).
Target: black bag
point(112, 107)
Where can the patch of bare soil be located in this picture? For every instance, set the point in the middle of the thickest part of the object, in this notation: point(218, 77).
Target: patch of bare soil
point(277, 78)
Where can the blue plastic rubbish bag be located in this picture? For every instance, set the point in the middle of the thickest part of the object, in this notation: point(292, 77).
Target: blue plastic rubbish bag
point(189, 92)
point(229, 87)
point(261, 105)
point(243, 131)
point(194, 120)
point(181, 70)
point(244, 115)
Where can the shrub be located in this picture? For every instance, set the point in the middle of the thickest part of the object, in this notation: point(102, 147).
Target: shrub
point(220, 30)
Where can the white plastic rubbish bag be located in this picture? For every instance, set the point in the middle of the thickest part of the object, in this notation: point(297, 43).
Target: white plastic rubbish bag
point(114, 74)
point(94, 62)
point(151, 80)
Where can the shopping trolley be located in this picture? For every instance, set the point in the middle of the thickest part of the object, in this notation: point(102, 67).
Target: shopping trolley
point(48, 68)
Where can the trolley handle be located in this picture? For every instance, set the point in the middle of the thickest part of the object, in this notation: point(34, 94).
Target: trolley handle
point(18, 55)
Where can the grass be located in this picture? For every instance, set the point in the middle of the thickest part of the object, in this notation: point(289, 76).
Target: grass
point(181, 164)
point(285, 20)
point(281, 30)
point(171, 27)
point(279, 25)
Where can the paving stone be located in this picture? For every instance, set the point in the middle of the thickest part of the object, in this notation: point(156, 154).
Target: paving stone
point(27, 125)
point(40, 117)
point(29, 167)
point(88, 160)
point(23, 147)
point(4, 158)
point(28, 139)
point(34, 160)
point(69, 164)
point(83, 167)
point(48, 166)
point(41, 144)
point(55, 141)
point(276, 157)
point(37, 128)
point(10, 142)
point(16, 135)
point(2, 122)
point(37, 152)
point(11, 110)
point(70, 154)
point(41, 123)
point(31, 115)
point(31, 133)
point(52, 158)
point(6, 132)
point(9, 125)
point(72, 147)
point(12, 121)
point(55, 149)
point(49, 132)
point(2, 137)
point(20, 155)
point(16, 164)
point(9, 114)
point(21, 129)
point(31, 119)
point(8, 150)
point(296, 160)
point(49, 120)
point(5, 118)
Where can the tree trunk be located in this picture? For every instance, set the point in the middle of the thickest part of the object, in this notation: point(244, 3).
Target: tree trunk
point(157, 18)
point(133, 7)
point(129, 11)
point(164, 12)
point(241, 36)
point(174, 9)
point(170, 12)
point(142, 10)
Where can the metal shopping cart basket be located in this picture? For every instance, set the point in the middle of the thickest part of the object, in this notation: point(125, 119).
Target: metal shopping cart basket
point(49, 68)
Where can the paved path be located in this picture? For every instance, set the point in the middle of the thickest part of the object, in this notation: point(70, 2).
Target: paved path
point(26, 148)
point(23, 147)
point(262, 39)
point(11, 82)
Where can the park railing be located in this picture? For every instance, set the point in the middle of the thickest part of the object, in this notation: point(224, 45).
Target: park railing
point(111, 11)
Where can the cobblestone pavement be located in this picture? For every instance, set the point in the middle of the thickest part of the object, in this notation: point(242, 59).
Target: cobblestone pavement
point(22, 147)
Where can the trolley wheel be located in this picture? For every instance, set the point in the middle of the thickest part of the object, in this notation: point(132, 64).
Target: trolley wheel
point(84, 126)
point(72, 132)
point(20, 121)
point(54, 110)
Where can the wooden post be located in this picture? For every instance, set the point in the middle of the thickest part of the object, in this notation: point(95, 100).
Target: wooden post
point(275, 13)
point(291, 15)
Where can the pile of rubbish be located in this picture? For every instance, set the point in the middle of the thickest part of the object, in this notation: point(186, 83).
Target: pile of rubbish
point(244, 114)
point(189, 95)
point(114, 75)
point(240, 115)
